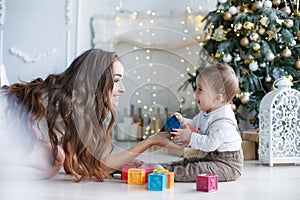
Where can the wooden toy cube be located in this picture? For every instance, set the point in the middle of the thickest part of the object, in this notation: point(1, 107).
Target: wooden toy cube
point(157, 181)
point(172, 122)
point(170, 179)
point(136, 176)
point(207, 182)
point(125, 168)
point(160, 171)
point(148, 170)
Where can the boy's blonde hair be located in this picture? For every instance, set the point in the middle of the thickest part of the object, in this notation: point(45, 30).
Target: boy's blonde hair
point(221, 78)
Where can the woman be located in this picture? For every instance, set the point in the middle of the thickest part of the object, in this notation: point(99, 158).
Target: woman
point(75, 107)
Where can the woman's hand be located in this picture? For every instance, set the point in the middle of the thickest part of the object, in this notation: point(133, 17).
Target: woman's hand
point(163, 139)
point(136, 162)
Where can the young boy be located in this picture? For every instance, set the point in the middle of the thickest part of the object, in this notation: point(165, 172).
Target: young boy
point(217, 131)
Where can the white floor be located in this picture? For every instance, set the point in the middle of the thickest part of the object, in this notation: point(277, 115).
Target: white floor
point(257, 182)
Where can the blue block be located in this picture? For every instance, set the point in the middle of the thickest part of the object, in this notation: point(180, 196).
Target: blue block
point(157, 181)
point(172, 122)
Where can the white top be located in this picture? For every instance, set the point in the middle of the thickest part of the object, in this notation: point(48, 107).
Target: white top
point(217, 130)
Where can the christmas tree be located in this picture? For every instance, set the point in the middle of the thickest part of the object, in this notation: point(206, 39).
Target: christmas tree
point(260, 40)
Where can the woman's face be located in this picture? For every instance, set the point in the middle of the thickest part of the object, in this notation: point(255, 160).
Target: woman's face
point(118, 71)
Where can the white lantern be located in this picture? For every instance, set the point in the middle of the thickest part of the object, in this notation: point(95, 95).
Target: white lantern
point(279, 125)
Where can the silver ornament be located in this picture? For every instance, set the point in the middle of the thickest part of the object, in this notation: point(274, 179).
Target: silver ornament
point(254, 36)
point(289, 23)
point(268, 4)
point(227, 58)
point(258, 5)
point(233, 10)
point(268, 79)
point(253, 66)
point(269, 56)
point(265, 21)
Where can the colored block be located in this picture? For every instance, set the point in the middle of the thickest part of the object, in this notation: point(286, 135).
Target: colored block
point(206, 182)
point(125, 169)
point(136, 176)
point(148, 170)
point(157, 181)
point(160, 170)
point(170, 179)
point(172, 122)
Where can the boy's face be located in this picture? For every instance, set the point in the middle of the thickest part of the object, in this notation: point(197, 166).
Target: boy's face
point(205, 96)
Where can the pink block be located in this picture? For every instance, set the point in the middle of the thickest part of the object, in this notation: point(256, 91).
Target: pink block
point(206, 182)
point(125, 171)
point(148, 170)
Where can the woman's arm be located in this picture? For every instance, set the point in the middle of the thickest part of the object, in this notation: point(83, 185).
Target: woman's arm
point(117, 160)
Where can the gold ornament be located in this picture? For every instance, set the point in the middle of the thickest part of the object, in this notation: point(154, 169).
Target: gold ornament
point(286, 53)
point(248, 25)
point(219, 34)
point(252, 120)
point(273, 33)
point(255, 54)
point(217, 55)
point(244, 42)
point(256, 47)
point(247, 61)
point(233, 107)
point(286, 10)
point(227, 16)
point(261, 30)
point(298, 36)
point(245, 98)
point(244, 8)
point(276, 3)
point(297, 64)
point(290, 78)
point(245, 72)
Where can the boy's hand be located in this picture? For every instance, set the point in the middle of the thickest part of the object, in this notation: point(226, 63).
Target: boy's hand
point(181, 135)
point(179, 117)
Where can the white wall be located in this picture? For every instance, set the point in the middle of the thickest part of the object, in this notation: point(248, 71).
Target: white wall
point(90, 8)
point(40, 37)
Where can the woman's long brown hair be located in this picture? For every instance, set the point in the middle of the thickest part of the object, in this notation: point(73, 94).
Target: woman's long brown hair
point(76, 104)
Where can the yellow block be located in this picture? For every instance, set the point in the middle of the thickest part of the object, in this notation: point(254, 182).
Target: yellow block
point(136, 176)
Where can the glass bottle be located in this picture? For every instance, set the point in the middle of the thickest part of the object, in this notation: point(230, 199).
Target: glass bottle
point(158, 121)
point(132, 113)
point(140, 123)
